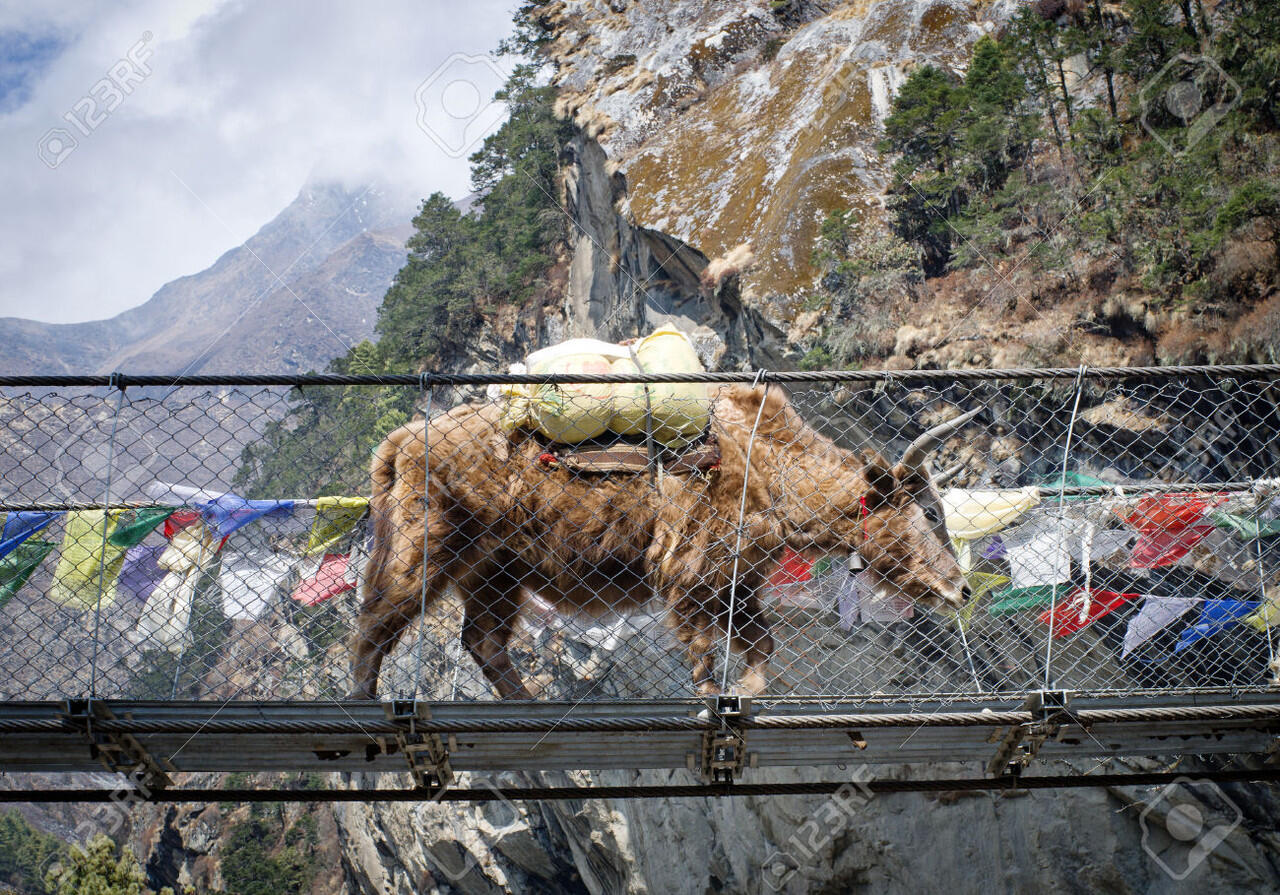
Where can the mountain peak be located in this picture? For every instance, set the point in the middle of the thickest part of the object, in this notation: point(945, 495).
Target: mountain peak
point(298, 292)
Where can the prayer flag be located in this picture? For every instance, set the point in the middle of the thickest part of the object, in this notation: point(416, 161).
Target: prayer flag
point(165, 620)
point(1155, 614)
point(328, 581)
point(19, 526)
point(16, 566)
point(1039, 551)
point(1081, 609)
point(229, 512)
point(1215, 616)
point(249, 581)
point(87, 570)
point(1169, 525)
point(130, 532)
point(335, 516)
point(974, 514)
point(141, 571)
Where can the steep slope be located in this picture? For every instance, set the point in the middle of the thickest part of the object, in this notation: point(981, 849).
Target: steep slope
point(747, 122)
point(298, 292)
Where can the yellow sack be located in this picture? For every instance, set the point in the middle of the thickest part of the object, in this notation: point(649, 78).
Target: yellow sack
point(681, 410)
point(573, 413)
point(514, 401)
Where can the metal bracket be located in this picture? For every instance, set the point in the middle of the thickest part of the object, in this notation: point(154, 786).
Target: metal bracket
point(425, 753)
point(120, 753)
point(724, 751)
point(1021, 744)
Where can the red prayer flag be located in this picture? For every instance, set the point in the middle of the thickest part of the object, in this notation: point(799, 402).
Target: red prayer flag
point(329, 581)
point(792, 569)
point(1065, 618)
point(180, 519)
point(1168, 525)
point(177, 521)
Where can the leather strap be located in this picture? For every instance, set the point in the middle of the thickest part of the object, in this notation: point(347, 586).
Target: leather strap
point(634, 459)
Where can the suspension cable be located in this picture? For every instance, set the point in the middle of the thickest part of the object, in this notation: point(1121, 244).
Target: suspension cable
point(737, 544)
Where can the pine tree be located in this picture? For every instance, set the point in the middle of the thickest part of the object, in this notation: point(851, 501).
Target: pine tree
point(926, 128)
point(98, 871)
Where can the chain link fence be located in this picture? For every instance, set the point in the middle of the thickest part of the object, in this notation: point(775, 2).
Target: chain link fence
point(1106, 532)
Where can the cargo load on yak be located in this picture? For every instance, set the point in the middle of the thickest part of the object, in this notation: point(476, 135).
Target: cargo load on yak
point(674, 415)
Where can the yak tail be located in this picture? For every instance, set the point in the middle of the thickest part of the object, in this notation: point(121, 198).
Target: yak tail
point(383, 473)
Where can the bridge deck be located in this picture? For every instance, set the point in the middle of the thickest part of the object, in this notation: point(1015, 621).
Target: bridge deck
point(358, 736)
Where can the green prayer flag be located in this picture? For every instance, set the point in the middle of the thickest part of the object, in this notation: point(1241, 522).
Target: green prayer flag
point(335, 516)
point(980, 584)
point(1245, 527)
point(130, 532)
point(1049, 487)
point(17, 566)
point(90, 563)
point(1016, 599)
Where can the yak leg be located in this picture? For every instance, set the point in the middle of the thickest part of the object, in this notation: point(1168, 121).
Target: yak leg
point(391, 603)
point(489, 615)
point(751, 637)
point(694, 627)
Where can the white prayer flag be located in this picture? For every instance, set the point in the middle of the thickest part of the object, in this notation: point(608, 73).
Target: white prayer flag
point(1156, 614)
point(249, 581)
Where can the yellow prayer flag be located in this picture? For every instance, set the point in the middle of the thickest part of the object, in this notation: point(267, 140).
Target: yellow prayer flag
point(335, 516)
point(974, 514)
point(88, 560)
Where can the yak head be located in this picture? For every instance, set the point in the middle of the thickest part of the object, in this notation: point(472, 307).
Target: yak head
point(831, 499)
point(904, 533)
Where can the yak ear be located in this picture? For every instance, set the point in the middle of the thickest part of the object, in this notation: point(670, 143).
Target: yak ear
point(881, 485)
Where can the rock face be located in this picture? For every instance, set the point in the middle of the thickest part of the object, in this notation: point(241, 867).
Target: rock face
point(1085, 840)
point(737, 122)
point(300, 291)
point(618, 280)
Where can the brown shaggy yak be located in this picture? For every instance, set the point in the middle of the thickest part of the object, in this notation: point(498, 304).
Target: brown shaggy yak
point(501, 524)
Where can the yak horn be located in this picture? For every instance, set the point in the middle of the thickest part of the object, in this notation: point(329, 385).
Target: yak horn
point(918, 451)
point(940, 480)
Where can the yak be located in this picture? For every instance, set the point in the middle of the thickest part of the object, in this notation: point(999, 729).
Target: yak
point(460, 501)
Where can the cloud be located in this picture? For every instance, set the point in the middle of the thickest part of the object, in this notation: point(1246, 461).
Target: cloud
point(243, 104)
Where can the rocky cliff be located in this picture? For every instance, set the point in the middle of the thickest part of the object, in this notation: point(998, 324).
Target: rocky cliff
point(1086, 840)
point(737, 124)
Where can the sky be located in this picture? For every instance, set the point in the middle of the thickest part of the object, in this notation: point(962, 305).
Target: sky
point(141, 139)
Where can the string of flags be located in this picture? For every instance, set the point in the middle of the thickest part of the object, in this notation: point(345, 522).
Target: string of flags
point(1024, 550)
point(1036, 550)
point(104, 554)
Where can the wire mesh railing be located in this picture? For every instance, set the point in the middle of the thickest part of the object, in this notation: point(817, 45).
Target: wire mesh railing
point(850, 537)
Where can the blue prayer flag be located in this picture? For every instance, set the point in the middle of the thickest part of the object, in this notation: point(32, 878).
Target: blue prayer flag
point(229, 512)
point(20, 526)
point(1215, 616)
